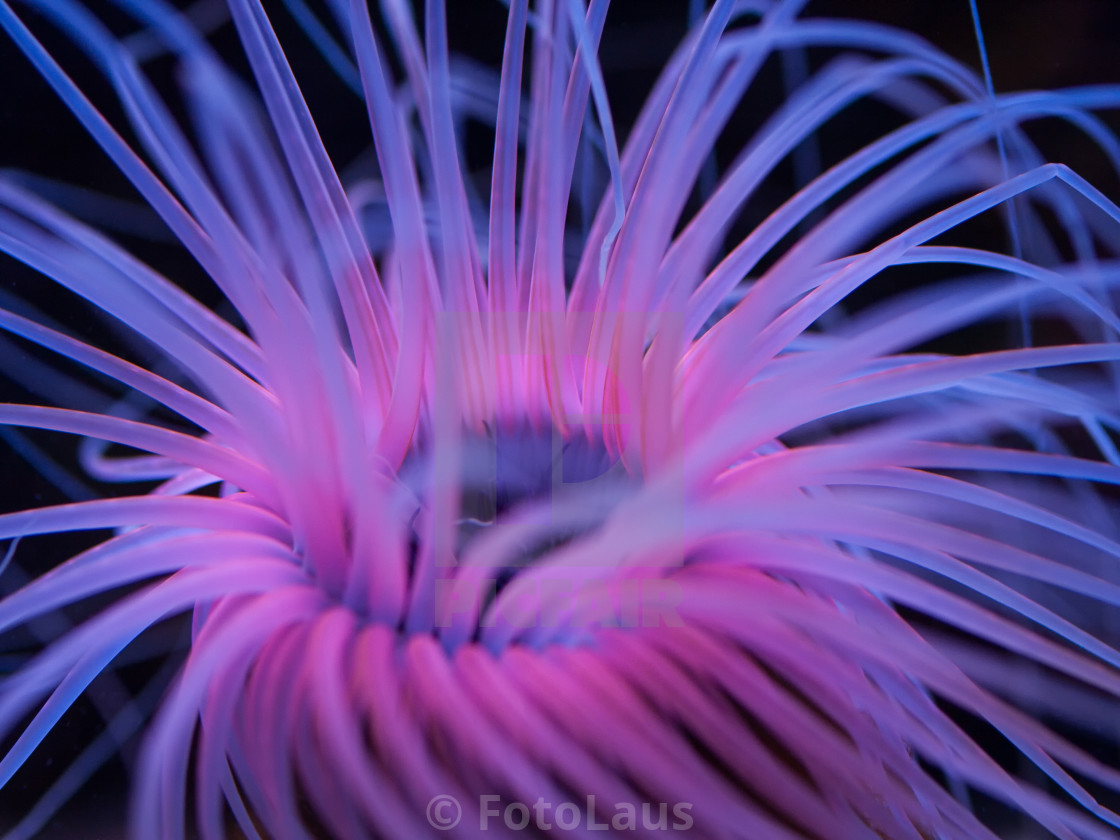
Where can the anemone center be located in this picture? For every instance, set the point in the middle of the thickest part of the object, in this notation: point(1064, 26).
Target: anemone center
point(524, 493)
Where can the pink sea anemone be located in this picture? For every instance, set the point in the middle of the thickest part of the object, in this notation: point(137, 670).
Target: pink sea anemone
point(611, 491)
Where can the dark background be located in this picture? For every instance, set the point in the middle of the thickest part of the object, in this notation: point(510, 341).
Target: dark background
point(1031, 43)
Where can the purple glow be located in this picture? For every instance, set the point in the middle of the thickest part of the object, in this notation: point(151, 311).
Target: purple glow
point(577, 490)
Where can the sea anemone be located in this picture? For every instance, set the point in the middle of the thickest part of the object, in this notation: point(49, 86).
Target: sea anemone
point(596, 481)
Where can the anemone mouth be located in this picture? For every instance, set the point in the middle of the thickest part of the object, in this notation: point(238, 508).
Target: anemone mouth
point(513, 464)
point(547, 487)
point(522, 493)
